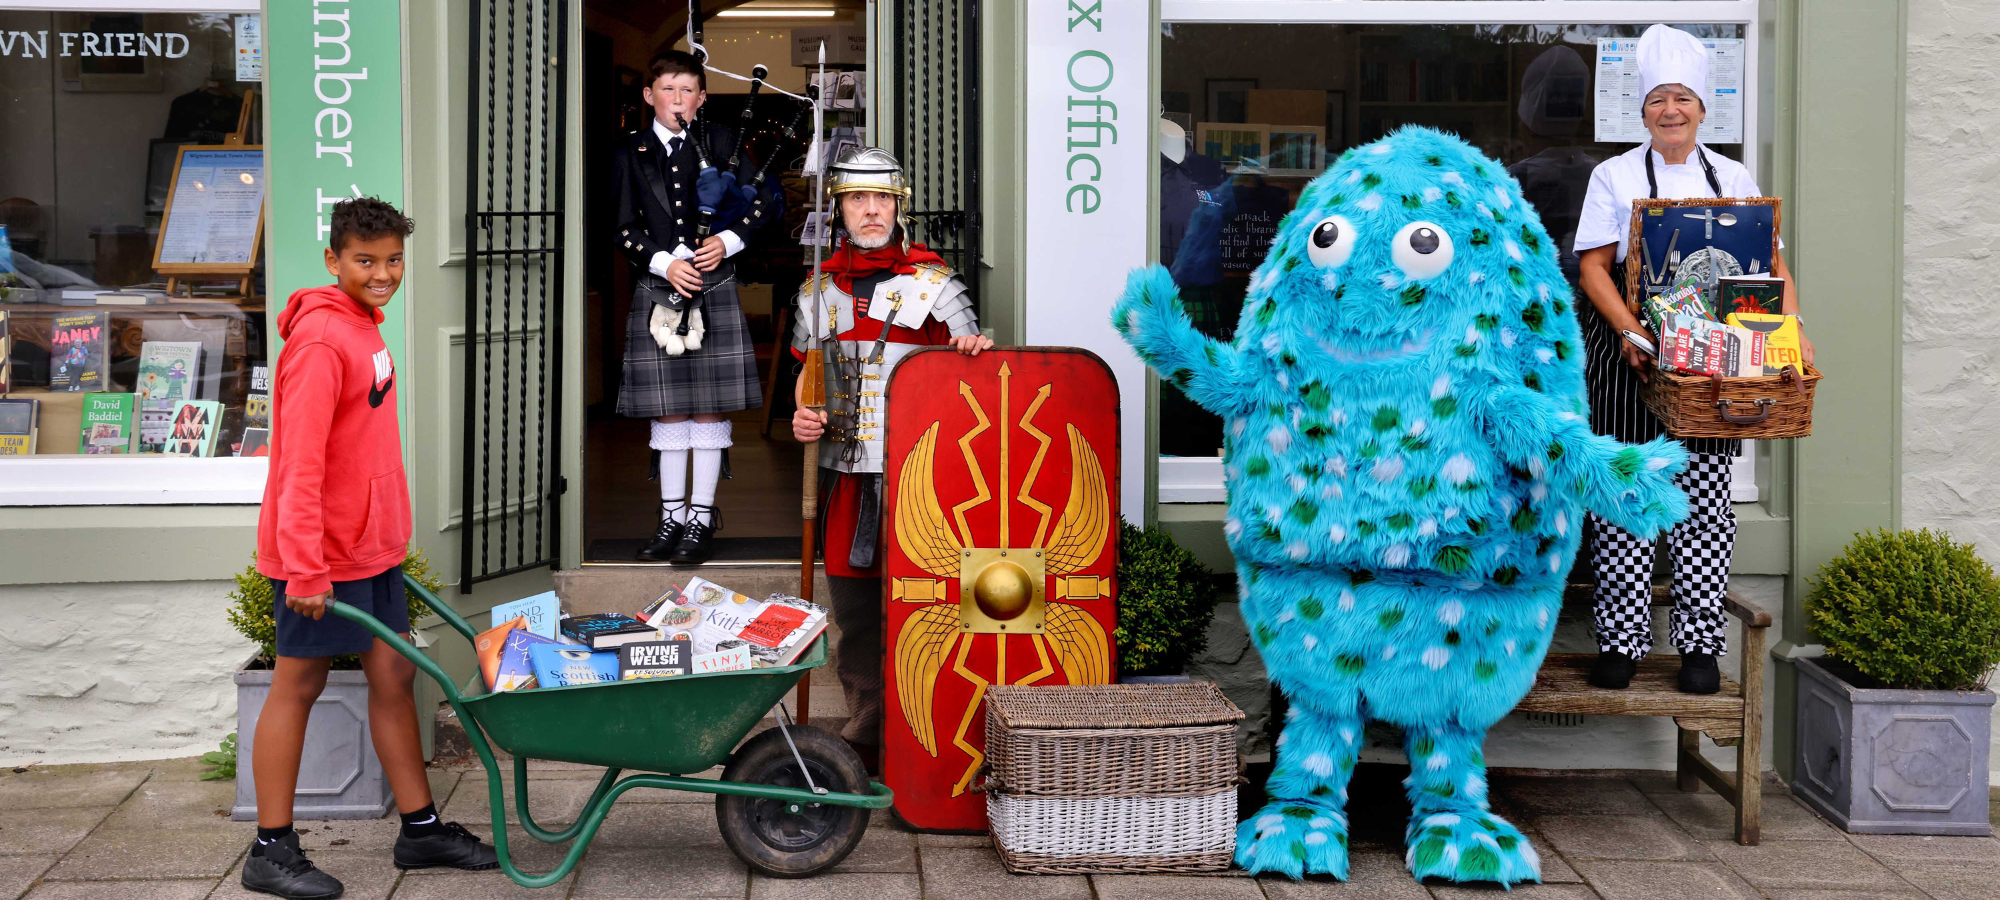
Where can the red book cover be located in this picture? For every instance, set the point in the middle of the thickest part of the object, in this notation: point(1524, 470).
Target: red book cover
point(772, 625)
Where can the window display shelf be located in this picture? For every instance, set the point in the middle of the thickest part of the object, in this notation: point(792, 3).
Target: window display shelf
point(71, 480)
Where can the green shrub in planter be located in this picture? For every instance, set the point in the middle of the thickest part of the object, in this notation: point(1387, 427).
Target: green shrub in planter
point(1909, 609)
point(1165, 599)
point(252, 613)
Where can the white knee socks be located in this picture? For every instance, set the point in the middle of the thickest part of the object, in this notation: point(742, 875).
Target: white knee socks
point(708, 439)
point(671, 439)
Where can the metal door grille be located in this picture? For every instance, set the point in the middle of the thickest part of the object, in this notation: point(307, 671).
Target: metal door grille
point(510, 516)
point(937, 125)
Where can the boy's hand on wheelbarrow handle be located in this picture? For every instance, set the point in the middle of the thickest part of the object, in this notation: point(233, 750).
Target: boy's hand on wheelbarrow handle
point(313, 606)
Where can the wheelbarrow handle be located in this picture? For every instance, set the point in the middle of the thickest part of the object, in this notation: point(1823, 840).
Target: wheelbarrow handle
point(444, 610)
point(401, 644)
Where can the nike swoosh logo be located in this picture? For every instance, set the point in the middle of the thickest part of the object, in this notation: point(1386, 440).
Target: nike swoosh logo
point(376, 394)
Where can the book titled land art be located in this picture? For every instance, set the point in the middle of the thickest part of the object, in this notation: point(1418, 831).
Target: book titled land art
point(541, 610)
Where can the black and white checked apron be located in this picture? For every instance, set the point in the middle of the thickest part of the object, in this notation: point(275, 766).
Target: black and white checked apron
point(1702, 545)
point(720, 377)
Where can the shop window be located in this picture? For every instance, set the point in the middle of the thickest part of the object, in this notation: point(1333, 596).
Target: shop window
point(100, 117)
point(1252, 112)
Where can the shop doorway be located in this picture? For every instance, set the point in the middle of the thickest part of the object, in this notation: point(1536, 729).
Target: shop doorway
point(760, 501)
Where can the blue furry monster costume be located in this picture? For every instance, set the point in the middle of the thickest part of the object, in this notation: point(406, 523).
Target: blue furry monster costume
point(1408, 455)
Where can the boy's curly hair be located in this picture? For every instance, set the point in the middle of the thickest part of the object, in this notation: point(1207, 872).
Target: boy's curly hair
point(365, 219)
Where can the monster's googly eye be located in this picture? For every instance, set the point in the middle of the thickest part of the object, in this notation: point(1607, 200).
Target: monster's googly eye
point(1331, 242)
point(1422, 250)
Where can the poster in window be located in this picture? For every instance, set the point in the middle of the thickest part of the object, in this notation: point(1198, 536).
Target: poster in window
point(1232, 143)
point(1297, 150)
point(215, 211)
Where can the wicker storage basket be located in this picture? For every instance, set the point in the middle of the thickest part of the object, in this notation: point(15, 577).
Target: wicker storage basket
point(1770, 406)
point(1112, 778)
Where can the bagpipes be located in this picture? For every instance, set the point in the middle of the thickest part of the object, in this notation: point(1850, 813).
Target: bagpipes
point(721, 193)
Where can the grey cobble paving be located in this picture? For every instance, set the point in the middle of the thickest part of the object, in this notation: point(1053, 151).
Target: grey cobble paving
point(140, 831)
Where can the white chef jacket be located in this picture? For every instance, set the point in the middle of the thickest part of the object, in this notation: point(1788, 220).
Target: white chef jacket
point(1616, 182)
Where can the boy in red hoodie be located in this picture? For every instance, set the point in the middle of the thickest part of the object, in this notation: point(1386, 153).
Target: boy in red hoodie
point(335, 525)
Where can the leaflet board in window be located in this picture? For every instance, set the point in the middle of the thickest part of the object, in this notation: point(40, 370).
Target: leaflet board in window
point(214, 222)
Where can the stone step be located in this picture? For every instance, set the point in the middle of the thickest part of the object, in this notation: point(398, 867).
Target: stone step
point(627, 588)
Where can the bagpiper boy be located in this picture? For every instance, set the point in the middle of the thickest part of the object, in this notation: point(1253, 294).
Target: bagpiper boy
point(688, 393)
point(879, 298)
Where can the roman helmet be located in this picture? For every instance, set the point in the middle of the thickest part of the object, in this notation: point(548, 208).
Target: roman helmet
point(871, 169)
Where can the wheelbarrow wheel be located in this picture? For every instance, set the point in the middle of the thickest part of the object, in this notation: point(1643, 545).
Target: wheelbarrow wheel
point(787, 840)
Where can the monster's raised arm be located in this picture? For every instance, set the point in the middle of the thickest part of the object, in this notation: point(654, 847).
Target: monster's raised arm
point(1630, 486)
point(1151, 319)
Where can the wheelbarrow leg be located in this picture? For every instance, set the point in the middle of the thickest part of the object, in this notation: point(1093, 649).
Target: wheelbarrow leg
point(528, 822)
point(784, 718)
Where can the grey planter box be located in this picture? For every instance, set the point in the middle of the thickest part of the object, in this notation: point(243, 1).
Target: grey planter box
point(1892, 761)
point(339, 776)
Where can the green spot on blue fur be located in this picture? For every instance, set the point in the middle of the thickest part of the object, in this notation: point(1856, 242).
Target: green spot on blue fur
point(1471, 486)
point(1434, 160)
point(1318, 431)
point(1486, 822)
point(1422, 487)
point(1257, 467)
point(1555, 450)
point(1371, 450)
point(1267, 312)
point(1451, 637)
point(1425, 746)
point(1213, 356)
point(1525, 519)
point(1304, 512)
point(1438, 831)
point(1529, 648)
point(1364, 528)
point(1122, 320)
point(1518, 277)
point(1507, 842)
point(1453, 560)
point(1625, 463)
point(1562, 347)
point(1506, 575)
point(1562, 306)
point(1359, 576)
point(1492, 626)
point(1480, 238)
point(1265, 635)
point(1389, 618)
point(1298, 851)
point(1289, 262)
point(1310, 471)
point(1543, 546)
point(1478, 864)
point(1268, 533)
point(1299, 812)
point(1349, 664)
point(1484, 670)
point(1443, 407)
point(1528, 237)
point(1414, 443)
point(1411, 201)
point(1311, 609)
point(1288, 359)
point(1413, 295)
point(1534, 317)
point(1371, 181)
point(1476, 525)
point(1466, 351)
point(1486, 321)
point(1386, 418)
point(1182, 378)
point(1452, 200)
point(1337, 200)
point(1316, 396)
point(1401, 521)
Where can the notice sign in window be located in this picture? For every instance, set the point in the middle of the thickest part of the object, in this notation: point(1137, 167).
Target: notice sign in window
point(1620, 95)
point(213, 212)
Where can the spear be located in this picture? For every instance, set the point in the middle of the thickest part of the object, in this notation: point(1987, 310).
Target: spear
point(813, 377)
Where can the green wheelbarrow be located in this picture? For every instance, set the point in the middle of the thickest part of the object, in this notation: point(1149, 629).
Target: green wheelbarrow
point(791, 802)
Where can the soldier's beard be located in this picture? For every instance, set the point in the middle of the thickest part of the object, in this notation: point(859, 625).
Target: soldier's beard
point(868, 243)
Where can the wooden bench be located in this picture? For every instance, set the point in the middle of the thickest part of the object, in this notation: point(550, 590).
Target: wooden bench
point(1732, 717)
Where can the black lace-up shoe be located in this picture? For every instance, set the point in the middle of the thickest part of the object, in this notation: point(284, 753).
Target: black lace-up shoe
point(280, 868)
point(1613, 670)
point(697, 544)
point(667, 539)
point(452, 847)
point(1699, 674)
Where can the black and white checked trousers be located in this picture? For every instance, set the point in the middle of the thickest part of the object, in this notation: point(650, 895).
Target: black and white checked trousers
point(1702, 545)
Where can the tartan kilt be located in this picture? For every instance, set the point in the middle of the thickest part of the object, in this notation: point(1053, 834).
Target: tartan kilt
point(720, 377)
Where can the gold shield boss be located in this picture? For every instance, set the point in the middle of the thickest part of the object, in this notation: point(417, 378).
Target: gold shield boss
point(1000, 513)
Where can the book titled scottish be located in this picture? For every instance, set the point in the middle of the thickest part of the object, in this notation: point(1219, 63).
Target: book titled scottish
point(80, 352)
point(557, 665)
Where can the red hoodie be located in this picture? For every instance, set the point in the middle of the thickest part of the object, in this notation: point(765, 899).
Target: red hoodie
point(336, 505)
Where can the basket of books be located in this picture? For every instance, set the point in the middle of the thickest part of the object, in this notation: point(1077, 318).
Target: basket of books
point(1115, 778)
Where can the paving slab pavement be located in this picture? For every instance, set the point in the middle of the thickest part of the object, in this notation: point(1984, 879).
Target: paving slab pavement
point(153, 831)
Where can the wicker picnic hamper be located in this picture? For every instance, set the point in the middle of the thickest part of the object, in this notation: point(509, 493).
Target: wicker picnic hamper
point(1768, 406)
point(1112, 778)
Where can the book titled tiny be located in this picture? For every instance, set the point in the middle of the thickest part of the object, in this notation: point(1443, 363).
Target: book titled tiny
point(604, 631)
point(560, 666)
point(655, 659)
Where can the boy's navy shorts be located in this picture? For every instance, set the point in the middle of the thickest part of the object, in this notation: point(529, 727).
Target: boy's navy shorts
point(380, 596)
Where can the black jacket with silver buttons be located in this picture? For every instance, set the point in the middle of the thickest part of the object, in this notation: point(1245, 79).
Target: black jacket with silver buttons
point(647, 226)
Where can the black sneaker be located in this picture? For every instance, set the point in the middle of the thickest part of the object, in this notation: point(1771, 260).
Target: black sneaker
point(667, 539)
point(695, 547)
point(1699, 674)
point(1613, 670)
point(452, 847)
point(282, 869)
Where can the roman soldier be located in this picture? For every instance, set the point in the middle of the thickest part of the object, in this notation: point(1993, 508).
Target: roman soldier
point(686, 383)
point(876, 300)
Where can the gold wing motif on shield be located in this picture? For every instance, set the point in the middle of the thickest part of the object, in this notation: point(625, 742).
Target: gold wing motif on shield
point(921, 526)
point(1080, 644)
point(921, 648)
point(1086, 520)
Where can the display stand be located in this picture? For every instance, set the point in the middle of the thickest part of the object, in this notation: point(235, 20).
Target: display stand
point(241, 261)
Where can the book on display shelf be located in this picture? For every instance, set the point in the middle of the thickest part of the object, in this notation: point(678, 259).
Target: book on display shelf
point(80, 352)
point(18, 425)
point(110, 423)
point(193, 428)
point(488, 645)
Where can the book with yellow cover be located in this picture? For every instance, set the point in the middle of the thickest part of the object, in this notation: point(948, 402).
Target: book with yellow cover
point(1782, 339)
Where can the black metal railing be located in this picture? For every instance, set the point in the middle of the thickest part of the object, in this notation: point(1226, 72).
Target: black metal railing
point(510, 517)
point(937, 125)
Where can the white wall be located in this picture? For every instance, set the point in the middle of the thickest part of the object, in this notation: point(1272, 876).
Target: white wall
point(1951, 276)
point(102, 672)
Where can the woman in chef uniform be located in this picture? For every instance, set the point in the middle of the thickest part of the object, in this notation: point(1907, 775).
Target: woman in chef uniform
point(1673, 165)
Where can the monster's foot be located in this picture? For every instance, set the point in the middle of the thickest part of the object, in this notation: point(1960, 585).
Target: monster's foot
point(1472, 845)
point(1294, 838)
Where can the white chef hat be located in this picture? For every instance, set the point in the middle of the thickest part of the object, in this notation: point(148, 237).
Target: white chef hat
point(1668, 55)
